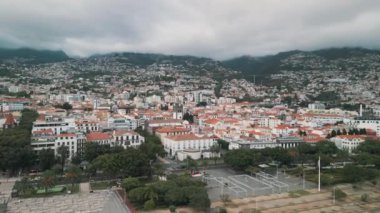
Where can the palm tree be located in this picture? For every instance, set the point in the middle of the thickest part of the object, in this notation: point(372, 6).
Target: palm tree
point(299, 171)
point(73, 174)
point(62, 152)
point(215, 149)
point(204, 164)
point(48, 180)
point(159, 169)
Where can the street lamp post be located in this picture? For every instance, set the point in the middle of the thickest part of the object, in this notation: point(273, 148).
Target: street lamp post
point(334, 195)
point(303, 179)
point(277, 170)
point(319, 173)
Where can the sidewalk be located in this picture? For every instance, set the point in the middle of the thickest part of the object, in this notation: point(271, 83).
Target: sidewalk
point(84, 187)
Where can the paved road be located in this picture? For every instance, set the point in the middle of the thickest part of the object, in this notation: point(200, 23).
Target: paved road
point(115, 205)
point(6, 186)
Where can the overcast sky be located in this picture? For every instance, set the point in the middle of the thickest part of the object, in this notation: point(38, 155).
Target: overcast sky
point(214, 28)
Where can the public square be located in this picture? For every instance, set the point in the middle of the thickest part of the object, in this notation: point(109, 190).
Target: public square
point(96, 202)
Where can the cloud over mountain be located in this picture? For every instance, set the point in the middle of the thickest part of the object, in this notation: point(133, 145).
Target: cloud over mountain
point(214, 28)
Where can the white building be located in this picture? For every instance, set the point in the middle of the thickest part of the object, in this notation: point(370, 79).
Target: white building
point(175, 143)
point(122, 122)
point(243, 144)
point(348, 142)
point(123, 138)
point(57, 124)
point(363, 123)
point(68, 140)
point(269, 122)
point(13, 89)
point(87, 126)
point(126, 139)
point(47, 139)
point(316, 105)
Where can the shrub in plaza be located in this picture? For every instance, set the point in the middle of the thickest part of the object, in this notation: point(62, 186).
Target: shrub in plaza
point(339, 194)
point(364, 197)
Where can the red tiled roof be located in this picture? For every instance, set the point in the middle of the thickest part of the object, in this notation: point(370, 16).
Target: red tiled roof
point(186, 137)
point(212, 121)
point(165, 121)
point(172, 129)
point(96, 136)
point(123, 132)
point(66, 135)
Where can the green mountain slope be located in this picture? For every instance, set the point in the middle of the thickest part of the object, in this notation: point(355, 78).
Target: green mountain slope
point(34, 56)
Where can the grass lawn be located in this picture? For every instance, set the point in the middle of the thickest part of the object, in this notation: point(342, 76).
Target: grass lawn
point(56, 190)
point(53, 190)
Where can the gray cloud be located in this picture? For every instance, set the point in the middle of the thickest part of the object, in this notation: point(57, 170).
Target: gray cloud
point(213, 28)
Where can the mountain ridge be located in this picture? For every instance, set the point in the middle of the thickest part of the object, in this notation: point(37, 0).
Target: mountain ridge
point(30, 55)
point(246, 65)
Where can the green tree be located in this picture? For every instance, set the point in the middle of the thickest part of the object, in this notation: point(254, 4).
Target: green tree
point(76, 159)
point(215, 150)
point(338, 132)
point(201, 104)
point(137, 195)
point(199, 200)
point(15, 149)
point(130, 183)
point(326, 147)
point(158, 169)
point(24, 185)
point(149, 205)
point(362, 131)
point(223, 144)
point(46, 159)
point(73, 175)
point(191, 164)
point(172, 209)
point(344, 132)
point(63, 152)
point(108, 164)
point(176, 196)
point(188, 117)
point(352, 173)
point(48, 180)
point(93, 150)
point(150, 193)
point(239, 159)
point(67, 106)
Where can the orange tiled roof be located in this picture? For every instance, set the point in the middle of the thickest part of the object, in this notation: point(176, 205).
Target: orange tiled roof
point(123, 132)
point(172, 129)
point(95, 136)
point(186, 137)
point(212, 121)
point(66, 135)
